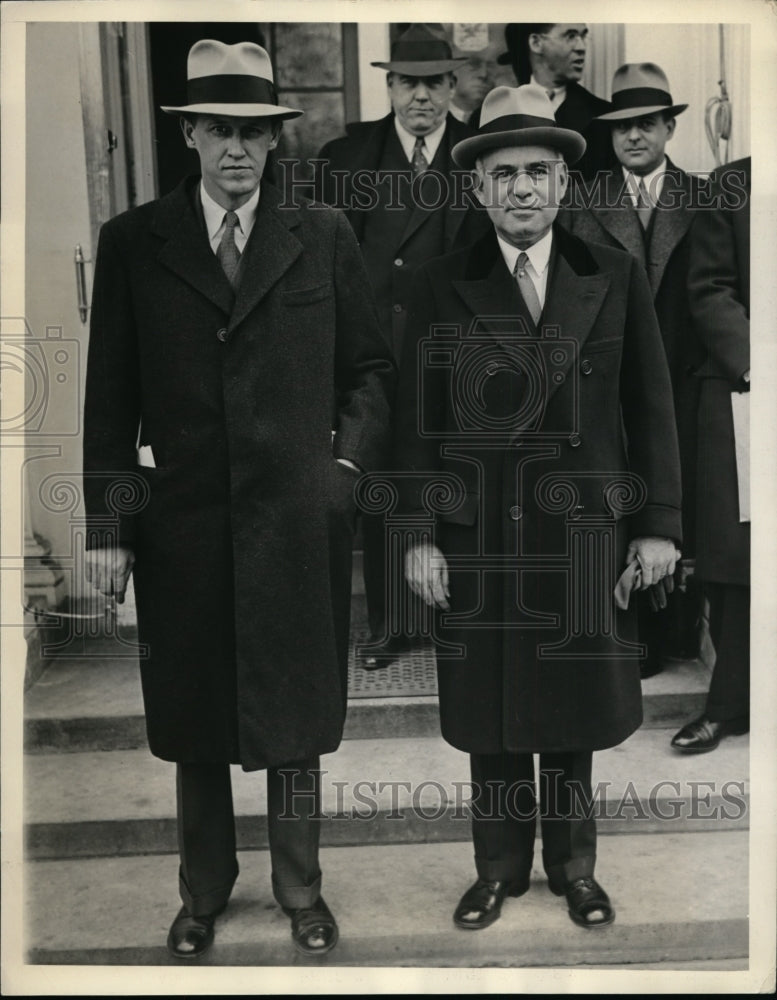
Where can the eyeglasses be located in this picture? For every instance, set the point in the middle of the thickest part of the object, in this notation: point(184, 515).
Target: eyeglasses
point(570, 37)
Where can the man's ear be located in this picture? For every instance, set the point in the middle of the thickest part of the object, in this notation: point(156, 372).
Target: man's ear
point(275, 134)
point(187, 128)
point(478, 185)
point(670, 125)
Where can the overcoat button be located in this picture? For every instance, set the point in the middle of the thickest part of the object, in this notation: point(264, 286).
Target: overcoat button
point(586, 367)
point(516, 513)
point(397, 307)
point(574, 440)
point(398, 262)
point(222, 334)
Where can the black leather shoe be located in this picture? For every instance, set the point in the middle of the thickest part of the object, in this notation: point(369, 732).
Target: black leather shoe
point(382, 654)
point(703, 734)
point(481, 904)
point(189, 936)
point(313, 928)
point(588, 904)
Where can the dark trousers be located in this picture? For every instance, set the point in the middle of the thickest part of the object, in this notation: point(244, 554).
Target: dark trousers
point(206, 834)
point(729, 694)
point(504, 806)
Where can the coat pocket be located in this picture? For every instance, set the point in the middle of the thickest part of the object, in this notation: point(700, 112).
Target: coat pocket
point(307, 296)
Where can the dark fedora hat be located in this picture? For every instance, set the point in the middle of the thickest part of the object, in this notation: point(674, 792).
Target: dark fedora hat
point(420, 51)
point(234, 80)
point(640, 89)
point(518, 116)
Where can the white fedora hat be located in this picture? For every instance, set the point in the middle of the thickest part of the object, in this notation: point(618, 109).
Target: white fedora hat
point(640, 89)
point(234, 80)
point(518, 116)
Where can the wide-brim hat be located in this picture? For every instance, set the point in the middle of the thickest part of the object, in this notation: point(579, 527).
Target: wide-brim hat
point(420, 51)
point(518, 116)
point(640, 89)
point(235, 80)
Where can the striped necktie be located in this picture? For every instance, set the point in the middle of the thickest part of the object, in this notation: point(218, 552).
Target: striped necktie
point(419, 161)
point(228, 253)
point(526, 287)
point(644, 208)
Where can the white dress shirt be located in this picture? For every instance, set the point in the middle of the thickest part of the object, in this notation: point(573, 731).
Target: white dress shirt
point(654, 183)
point(215, 219)
point(460, 114)
point(539, 258)
point(430, 144)
point(559, 93)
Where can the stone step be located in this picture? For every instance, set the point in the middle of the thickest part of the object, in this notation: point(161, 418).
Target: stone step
point(374, 791)
point(679, 898)
point(94, 703)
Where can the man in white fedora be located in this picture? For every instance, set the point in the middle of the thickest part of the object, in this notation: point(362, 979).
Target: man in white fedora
point(646, 205)
point(527, 357)
point(237, 380)
point(413, 214)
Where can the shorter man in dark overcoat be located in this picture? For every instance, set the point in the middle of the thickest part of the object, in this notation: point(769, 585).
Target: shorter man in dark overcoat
point(237, 382)
point(534, 391)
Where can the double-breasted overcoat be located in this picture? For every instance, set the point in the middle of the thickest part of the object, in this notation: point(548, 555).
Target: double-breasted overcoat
point(242, 530)
point(555, 447)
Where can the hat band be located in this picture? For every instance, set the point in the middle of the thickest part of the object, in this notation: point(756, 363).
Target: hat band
point(231, 88)
point(510, 123)
point(640, 97)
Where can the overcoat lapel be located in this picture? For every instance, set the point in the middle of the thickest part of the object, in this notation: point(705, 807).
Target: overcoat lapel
point(618, 217)
point(367, 159)
point(186, 250)
point(269, 253)
point(672, 221)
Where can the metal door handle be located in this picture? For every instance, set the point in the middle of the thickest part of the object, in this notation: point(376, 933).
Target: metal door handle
point(83, 305)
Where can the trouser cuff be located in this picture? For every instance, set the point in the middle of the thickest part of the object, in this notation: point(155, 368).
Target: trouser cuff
point(294, 897)
point(560, 875)
point(504, 869)
point(208, 902)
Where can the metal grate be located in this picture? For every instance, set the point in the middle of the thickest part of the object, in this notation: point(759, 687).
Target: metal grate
point(414, 673)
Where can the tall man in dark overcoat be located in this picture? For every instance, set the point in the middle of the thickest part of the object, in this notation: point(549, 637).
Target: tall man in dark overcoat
point(646, 206)
point(238, 380)
point(528, 356)
point(553, 56)
point(395, 179)
point(719, 295)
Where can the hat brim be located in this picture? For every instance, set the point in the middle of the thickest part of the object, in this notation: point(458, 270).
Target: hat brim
point(570, 144)
point(433, 68)
point(236, 110)
point(614, 116)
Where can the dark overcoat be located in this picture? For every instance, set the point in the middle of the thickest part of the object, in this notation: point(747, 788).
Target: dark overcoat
point(536, 438)
point(243, 542)
point(719, 297)
point(578, 111)
point(346, 177)
point(604, 214)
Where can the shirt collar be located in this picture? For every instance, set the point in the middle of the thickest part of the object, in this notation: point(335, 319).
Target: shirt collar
point(654, 182)
point(214, 213)
point(538, 253)
point(431, 140)
point(559, 91)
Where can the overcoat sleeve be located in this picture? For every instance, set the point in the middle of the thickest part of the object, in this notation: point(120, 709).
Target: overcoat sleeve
point(365, 373)
point(112, 486)
point(717, 301)
point(648, 415)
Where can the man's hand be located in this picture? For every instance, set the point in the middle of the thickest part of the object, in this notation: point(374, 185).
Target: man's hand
point(426, 571)
point(656, 556)
point(108, 570)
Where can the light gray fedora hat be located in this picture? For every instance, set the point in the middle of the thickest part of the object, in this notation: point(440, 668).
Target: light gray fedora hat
point(640, 89)
point(518, 116)
point(234, 80)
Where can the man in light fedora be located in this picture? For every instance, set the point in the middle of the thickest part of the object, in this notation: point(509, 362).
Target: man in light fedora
point(527, 356)
point(394, 178)
point(646, 205)
point(238, 381)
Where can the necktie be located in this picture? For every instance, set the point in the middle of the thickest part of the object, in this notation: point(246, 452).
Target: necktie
point(526, 287)
point(644, 208)
point(551, 94)
point(228, 253)
point(419, 161)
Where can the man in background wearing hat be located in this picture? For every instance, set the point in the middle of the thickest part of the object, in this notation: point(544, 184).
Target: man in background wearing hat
point(237, 380)
point(553, 57)
point(646, 206)
point(542, 349)
point(400, 197)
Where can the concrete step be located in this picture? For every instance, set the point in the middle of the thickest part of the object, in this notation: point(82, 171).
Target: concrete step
point(374, 791)
point(679, 898)
point(94, 703)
